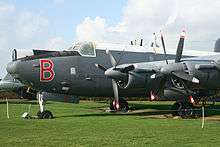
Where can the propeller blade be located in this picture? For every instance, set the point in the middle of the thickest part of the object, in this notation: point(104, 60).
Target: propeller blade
point(141, 43)
point(115, 90)
point(127, 69)
point(164, 48)
point(100, 67)
point(186, 77)
point(112, 59)
point(180, 47)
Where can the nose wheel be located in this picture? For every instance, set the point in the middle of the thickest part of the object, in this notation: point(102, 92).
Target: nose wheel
point(44, 115)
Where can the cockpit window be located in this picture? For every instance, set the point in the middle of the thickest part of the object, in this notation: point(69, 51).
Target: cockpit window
point(85, 49)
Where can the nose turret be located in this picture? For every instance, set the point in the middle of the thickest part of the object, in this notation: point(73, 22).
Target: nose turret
point(13, 67)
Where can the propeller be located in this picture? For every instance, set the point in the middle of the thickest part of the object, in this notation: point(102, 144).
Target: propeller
point(164, 48)
point(127, 68)
point(115, 73)
point(176, 69)
point(100, 67)
point(112, 59)
point(180, 46)
point(114, 82)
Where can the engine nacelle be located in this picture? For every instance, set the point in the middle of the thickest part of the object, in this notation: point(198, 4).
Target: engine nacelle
point(136, 80)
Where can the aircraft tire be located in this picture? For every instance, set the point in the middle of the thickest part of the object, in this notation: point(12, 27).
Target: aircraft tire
point(123, 105)
point(184, 110)
point(45, 115)
point(39, 114)
point(112, 105)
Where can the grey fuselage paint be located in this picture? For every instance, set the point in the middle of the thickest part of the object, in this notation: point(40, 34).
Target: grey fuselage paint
point(81, 75)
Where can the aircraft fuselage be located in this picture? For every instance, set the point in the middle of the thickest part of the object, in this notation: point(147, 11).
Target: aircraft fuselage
point(78, 75)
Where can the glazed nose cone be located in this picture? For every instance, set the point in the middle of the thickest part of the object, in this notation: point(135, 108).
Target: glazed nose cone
point(13, 67)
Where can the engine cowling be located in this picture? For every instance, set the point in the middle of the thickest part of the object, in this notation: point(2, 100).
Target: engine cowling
point(136, 80)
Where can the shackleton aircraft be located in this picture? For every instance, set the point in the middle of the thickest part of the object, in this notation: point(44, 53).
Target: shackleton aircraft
point(73, 71)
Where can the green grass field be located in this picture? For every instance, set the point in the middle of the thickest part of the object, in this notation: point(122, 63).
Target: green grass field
point(86, 124)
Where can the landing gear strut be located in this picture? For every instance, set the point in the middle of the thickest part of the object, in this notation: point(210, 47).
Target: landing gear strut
point(42, 113)
point(123, 105)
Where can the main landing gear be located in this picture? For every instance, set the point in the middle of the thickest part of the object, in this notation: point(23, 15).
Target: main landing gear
point(42, 113)
point(183, 109)
point(123, 105)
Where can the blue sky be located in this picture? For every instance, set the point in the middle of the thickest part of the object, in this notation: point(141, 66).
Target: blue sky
point(64, 15)
point(56, 24)
point(54, 19)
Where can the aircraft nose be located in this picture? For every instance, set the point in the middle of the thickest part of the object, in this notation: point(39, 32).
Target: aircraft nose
point(1, 85)
point(13, 67)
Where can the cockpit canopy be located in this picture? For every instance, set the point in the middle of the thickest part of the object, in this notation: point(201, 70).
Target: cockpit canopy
point(84, 49)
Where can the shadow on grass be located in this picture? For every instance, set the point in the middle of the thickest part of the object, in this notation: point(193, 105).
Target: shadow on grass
point(17, 101)
point(149, 110)
point(137, 106)
point(136, 110)
point(118, 114)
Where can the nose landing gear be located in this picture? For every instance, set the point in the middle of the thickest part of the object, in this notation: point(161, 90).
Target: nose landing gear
point(42, 113)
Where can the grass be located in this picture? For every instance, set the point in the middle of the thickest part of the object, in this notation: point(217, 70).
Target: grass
point(86, 124)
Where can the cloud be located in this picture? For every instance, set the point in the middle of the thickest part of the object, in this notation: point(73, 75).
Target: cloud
point(19, 29)
point(6, 8)
point(92, 29)
point(57, 43)
point(140, 18)
point(28, 25)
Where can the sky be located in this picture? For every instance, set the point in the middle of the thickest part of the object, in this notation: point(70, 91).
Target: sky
point(56, 24)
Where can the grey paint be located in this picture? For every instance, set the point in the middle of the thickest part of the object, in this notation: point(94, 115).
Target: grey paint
point(89, 80)
point(217, 46)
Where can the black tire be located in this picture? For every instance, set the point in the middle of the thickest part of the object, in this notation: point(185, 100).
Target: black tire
point(112, 107)
point(184, 110)
point(124, 105)
point(187, 111)
point(47, 115)
point(39, 114)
